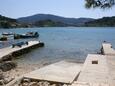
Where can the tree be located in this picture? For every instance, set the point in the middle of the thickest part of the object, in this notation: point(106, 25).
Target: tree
point(99, 3)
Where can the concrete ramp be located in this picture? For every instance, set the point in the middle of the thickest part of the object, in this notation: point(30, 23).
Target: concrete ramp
point(62, 72)
point(107, 49)
point(94, 72)
point(111, 66)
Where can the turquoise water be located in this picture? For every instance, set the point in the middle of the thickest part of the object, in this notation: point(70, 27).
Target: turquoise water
point(70, 43)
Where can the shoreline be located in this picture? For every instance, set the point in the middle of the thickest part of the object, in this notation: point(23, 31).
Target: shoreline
point(26, 68)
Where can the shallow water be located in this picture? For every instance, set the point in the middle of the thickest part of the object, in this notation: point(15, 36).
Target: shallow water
point(70, 43)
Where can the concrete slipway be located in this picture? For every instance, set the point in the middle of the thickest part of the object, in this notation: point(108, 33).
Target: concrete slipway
point(98, 70)
point(63, 72)
point(96, 73)
point(107, 49)
point(110, 54)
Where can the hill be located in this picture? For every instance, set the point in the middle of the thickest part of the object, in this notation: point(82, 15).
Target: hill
point(6, 22)
point(49, 23)
point(44, 17)
point(102, 22)
point(47, 20)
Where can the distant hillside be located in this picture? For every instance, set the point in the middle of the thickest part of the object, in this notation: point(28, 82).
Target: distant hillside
point(49, 23)
point(6, 22)
point(47, 20)
point(41, 17)
point(104, 22)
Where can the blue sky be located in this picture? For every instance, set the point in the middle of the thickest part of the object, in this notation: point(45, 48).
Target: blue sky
point(66, 8)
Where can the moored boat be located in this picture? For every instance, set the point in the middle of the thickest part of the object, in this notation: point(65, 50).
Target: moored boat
point(7, 33)
point(27, 35)
point(3, 38)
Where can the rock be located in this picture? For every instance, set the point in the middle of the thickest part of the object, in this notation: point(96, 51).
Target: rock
point(33, 84)
point(40, 83)
point(7, 80)
point(41, 44)
point(26, 80)
point(2, 83)
point(25, 84)
point(57, 84)
point(53, 85)
point(46, 83)
point(65, 85)
point(8, 65)
point(1, 75)
point(7, 58)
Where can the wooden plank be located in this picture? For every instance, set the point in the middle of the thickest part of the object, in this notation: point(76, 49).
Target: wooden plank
point(63, 72)
point(95, 73)
point(107, 49)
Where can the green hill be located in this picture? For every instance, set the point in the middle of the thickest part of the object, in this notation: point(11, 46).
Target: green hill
point(48, 23)
point(6, 22)
point(103, 22)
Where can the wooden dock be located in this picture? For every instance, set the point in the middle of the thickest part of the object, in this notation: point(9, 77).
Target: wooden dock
point(10, 52)
point(60, 72)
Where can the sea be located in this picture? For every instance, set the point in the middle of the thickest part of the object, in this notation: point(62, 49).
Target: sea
point(62, 43)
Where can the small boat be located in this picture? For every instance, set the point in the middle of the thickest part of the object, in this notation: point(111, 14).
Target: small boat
point(27, 35)
point(3, 38)
point(7, 33)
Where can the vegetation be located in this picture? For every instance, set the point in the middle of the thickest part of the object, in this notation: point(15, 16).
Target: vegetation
point(105, 21)
point(2, 18)
point(6, 22)
point(99, 3)
point(48, 23)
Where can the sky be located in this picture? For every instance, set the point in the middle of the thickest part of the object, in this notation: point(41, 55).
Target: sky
point(65, 8)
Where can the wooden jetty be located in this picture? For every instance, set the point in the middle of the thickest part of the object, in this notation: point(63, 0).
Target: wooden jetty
point(9, 52)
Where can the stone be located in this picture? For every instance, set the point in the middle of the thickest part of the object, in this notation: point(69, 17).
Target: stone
point(33, 84)
point(7, 65)
point(1, 75)
point(2, 82)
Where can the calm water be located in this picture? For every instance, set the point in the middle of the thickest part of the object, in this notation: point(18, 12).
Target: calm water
point(70, 43)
